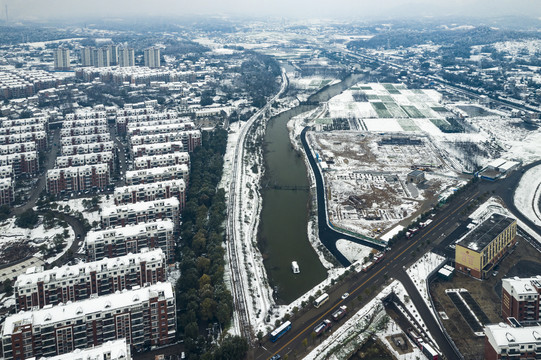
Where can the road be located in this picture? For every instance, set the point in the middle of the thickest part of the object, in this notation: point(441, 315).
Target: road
point(235, 208)
point(435, 236)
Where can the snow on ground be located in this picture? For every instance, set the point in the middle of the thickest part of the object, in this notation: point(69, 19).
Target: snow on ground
point(528, 193)
point(354, 332)
point(419, 272)
point(34, 237)
point(76, 205)
point(352, 251)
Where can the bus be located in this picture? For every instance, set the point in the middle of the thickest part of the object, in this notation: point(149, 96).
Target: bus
point(321, 300)
point(279, 331)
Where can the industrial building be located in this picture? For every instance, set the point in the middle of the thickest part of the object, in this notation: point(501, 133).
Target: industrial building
point(38, 287)
point(478, 251)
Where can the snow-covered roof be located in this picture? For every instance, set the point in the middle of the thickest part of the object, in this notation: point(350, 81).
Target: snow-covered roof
point(178, 183)
point(522, 286)
point(504, 336)
point(80, 309)
point(36, 274)
point(140, 206)
point(111, 350)
point(129, 230)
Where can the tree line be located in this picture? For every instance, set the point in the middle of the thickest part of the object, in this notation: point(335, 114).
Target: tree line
point(203, 300)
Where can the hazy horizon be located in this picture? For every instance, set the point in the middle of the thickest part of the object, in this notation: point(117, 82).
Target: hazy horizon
point(339, 9)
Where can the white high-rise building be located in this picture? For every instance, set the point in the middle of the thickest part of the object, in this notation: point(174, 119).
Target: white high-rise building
point(126, 57)
point(62, 59)
point(152, 57)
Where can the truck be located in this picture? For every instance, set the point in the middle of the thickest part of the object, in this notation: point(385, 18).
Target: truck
point(322, 327)
point(378, 257)
point(339, 313)
point(425, 224)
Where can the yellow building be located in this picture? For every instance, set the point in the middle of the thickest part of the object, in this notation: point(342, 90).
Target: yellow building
point(479, 250)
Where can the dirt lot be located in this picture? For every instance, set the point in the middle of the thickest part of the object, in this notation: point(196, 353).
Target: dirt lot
point(524, 261)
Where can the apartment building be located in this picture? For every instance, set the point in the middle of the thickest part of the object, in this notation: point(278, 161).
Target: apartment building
point(111, 350)
point(154, 138)
point(152, 57)
point(503, 341)
point(478, 251)
point(155, 127)
point(141, 212)
point(7, 191)
point(126, 57)
point(24, 163)
point(85, 139)
point(38, 137)
point(67, 124)
point(145, 176)
point(144, 316)
point(86, 130)
point(78, 178)
point(61, 59)
point(20, 122)
point(38, 287)
point(157, 149)
point(106, 157)
point(120, 241)
point(6, 171)
point(87, 148)
point(87, 115)
point(149, 162)
point(17, 148)
point(153, 191)
point(521, 298)
point(20, 129)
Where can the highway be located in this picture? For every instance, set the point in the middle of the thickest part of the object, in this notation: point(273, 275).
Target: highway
point(235, 208)
point(403, 254)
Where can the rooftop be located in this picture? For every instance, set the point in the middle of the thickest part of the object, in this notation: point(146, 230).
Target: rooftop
point(81, 309)
point(522, 286)
point(37, 274)
point(129, 230)
point(481, 235)
point(503, 335)
point(112, 350)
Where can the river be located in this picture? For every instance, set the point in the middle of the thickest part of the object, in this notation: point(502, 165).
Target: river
point(283, 234)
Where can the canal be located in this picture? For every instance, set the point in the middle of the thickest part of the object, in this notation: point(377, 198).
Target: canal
point(283, 229)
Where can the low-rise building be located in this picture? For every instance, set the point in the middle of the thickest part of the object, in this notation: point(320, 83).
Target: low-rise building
point(38, 287)
point(478, 251)
point(144, 316)
point(120, 241)
point(505, 342)
point(153, 191)
point(141, 212)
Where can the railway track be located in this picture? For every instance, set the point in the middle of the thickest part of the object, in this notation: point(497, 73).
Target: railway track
point(235, 238)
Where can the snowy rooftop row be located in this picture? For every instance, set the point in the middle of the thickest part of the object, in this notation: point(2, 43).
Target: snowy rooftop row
point(85, 308)
point(36, 274)
point(130, 231)
point(151, 187)
point(140, 207)
point(111, 350)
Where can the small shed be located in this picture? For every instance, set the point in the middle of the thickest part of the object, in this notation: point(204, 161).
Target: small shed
point(416, 176)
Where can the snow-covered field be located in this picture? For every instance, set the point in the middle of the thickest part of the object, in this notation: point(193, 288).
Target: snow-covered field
point(528, 193)
point(419, 272)
point(76, 205)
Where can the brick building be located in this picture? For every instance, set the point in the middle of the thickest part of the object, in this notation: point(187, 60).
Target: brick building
point(24, 163)
point(155, 161)
point(521, 297)
point(39, 137)
point(141, 212)
point(38, 288)
point(153, 191)
point(87, 148)
point(120, 241)
point(145, 176)
point(78, 178)
point(7, 191)
point(144, 316)
point(111, 350)
point(505, 342)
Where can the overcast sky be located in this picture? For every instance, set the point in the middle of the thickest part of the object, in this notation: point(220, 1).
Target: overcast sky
point(359, 9)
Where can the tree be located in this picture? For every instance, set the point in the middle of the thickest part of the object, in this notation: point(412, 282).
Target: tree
point(232, 348)
point(28, 219)
point(4, 212)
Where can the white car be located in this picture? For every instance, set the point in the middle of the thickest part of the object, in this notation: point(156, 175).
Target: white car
point(345, 295)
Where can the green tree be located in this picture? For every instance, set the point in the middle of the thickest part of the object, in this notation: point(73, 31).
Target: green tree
point(28, 219)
